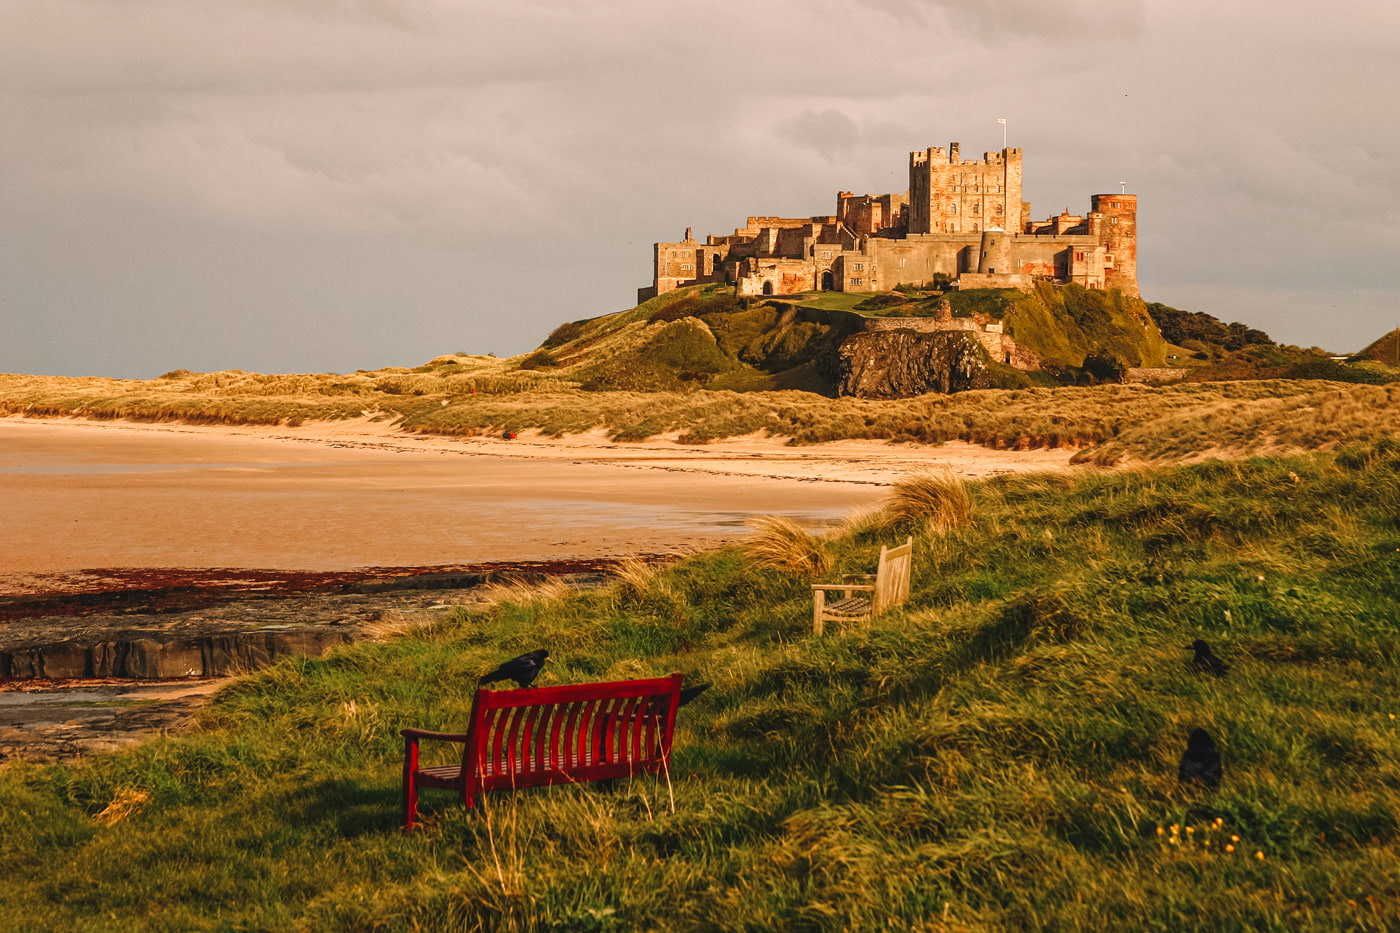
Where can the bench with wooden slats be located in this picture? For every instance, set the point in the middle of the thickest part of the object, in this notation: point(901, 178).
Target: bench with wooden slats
point(888, 588)
point(550, 735)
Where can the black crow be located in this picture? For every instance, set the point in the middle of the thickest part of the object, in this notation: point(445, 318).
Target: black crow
point(523, 670)
point(1205, 661)
point(1201, 762)
point(690, 693)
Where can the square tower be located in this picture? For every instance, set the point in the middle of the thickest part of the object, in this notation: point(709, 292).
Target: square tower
point(950, 195)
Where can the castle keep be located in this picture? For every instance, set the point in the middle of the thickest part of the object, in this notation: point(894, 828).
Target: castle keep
point(962, 219)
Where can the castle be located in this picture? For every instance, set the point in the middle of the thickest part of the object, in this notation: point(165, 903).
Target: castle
point(962, 221)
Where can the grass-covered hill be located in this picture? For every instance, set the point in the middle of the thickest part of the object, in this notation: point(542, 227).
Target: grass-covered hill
point(1385, 350)
point(1000, 754)
point(705, 337)
point(1211, 350)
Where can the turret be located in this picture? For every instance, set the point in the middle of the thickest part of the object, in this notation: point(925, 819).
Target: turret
point(995, 255)
point(1119, 237)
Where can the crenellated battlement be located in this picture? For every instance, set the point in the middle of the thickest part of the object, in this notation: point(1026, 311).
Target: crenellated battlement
point(933, 232)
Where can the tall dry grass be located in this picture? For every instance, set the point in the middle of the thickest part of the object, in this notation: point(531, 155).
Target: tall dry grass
point(779, 543)
point(938, 498)
point(471, 396)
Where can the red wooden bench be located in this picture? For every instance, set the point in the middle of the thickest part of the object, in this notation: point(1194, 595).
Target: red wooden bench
point(550, 735)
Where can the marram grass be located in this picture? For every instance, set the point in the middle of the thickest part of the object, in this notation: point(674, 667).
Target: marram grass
point(471, 396)
point(999, 754)
point(779, 543)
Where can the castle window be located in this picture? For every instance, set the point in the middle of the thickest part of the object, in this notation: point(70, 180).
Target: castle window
point(976, 208)
point(952, 208)
point(857, 281)
point(1113, 220)
point(859, 267)
point(998, 208)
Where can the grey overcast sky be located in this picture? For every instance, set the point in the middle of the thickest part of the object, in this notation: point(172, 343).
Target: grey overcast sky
point(331, 185)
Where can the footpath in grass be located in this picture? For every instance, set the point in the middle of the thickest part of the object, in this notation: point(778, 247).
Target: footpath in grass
point(999, 754)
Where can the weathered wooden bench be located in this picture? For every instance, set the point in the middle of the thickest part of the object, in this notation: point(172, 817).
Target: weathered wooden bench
point(550, 735)
point(888, 587)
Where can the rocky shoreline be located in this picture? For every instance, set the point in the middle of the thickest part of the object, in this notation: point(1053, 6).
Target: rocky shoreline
point(103, 665)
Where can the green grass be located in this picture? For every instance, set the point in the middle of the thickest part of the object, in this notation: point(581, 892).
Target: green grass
point(1000, 754)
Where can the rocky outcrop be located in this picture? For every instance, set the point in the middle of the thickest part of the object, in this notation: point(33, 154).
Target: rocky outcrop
point(903, 363)
point(167, 656)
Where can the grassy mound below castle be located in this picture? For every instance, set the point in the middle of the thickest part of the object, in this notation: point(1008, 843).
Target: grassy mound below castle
point(999, 754)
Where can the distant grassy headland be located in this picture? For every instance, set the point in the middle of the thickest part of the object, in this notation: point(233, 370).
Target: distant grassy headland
point(999, 754)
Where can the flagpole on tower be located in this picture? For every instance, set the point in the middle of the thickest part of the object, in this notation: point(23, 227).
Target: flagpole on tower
point(1005, 178)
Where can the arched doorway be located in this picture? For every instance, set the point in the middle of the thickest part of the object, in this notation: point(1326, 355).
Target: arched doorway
point(767, 288)
point(828, 281)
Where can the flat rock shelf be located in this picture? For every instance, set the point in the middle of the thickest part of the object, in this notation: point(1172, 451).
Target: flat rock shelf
point(108, 663)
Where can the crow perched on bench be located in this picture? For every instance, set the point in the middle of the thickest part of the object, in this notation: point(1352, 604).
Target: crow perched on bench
point(1201, 762)
point(523, 670)
point(1205, 660)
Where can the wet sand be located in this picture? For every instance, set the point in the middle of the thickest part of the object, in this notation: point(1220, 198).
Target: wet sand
point(80, 495)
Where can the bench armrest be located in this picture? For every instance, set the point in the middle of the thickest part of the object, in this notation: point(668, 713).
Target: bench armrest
point(852, 577)
point(441, 736)
point(844, 587)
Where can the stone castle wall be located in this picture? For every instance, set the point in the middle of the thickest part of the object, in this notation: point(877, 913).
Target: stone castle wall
point(936, 229)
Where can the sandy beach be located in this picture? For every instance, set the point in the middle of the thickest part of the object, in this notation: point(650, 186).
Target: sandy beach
point(328, 496)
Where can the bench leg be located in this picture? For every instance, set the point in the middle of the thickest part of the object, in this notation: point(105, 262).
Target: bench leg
point(818, 604)
point(410, 785)
point(410, 801)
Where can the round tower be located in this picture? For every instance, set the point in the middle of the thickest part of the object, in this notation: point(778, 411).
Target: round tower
point(1118, 233)
point(995, 255)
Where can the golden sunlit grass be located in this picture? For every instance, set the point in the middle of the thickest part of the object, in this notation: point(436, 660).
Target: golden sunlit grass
point(937, 497)
point(486, 396)
point(779, 543)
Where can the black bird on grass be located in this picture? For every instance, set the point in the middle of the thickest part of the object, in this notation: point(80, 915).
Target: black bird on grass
point(523, 670)
point(1205, 660)
point(1201, 762)
point(690, 693)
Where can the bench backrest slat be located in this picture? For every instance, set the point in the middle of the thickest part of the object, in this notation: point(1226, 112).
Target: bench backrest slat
point(892, 577)
point(550, 735)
